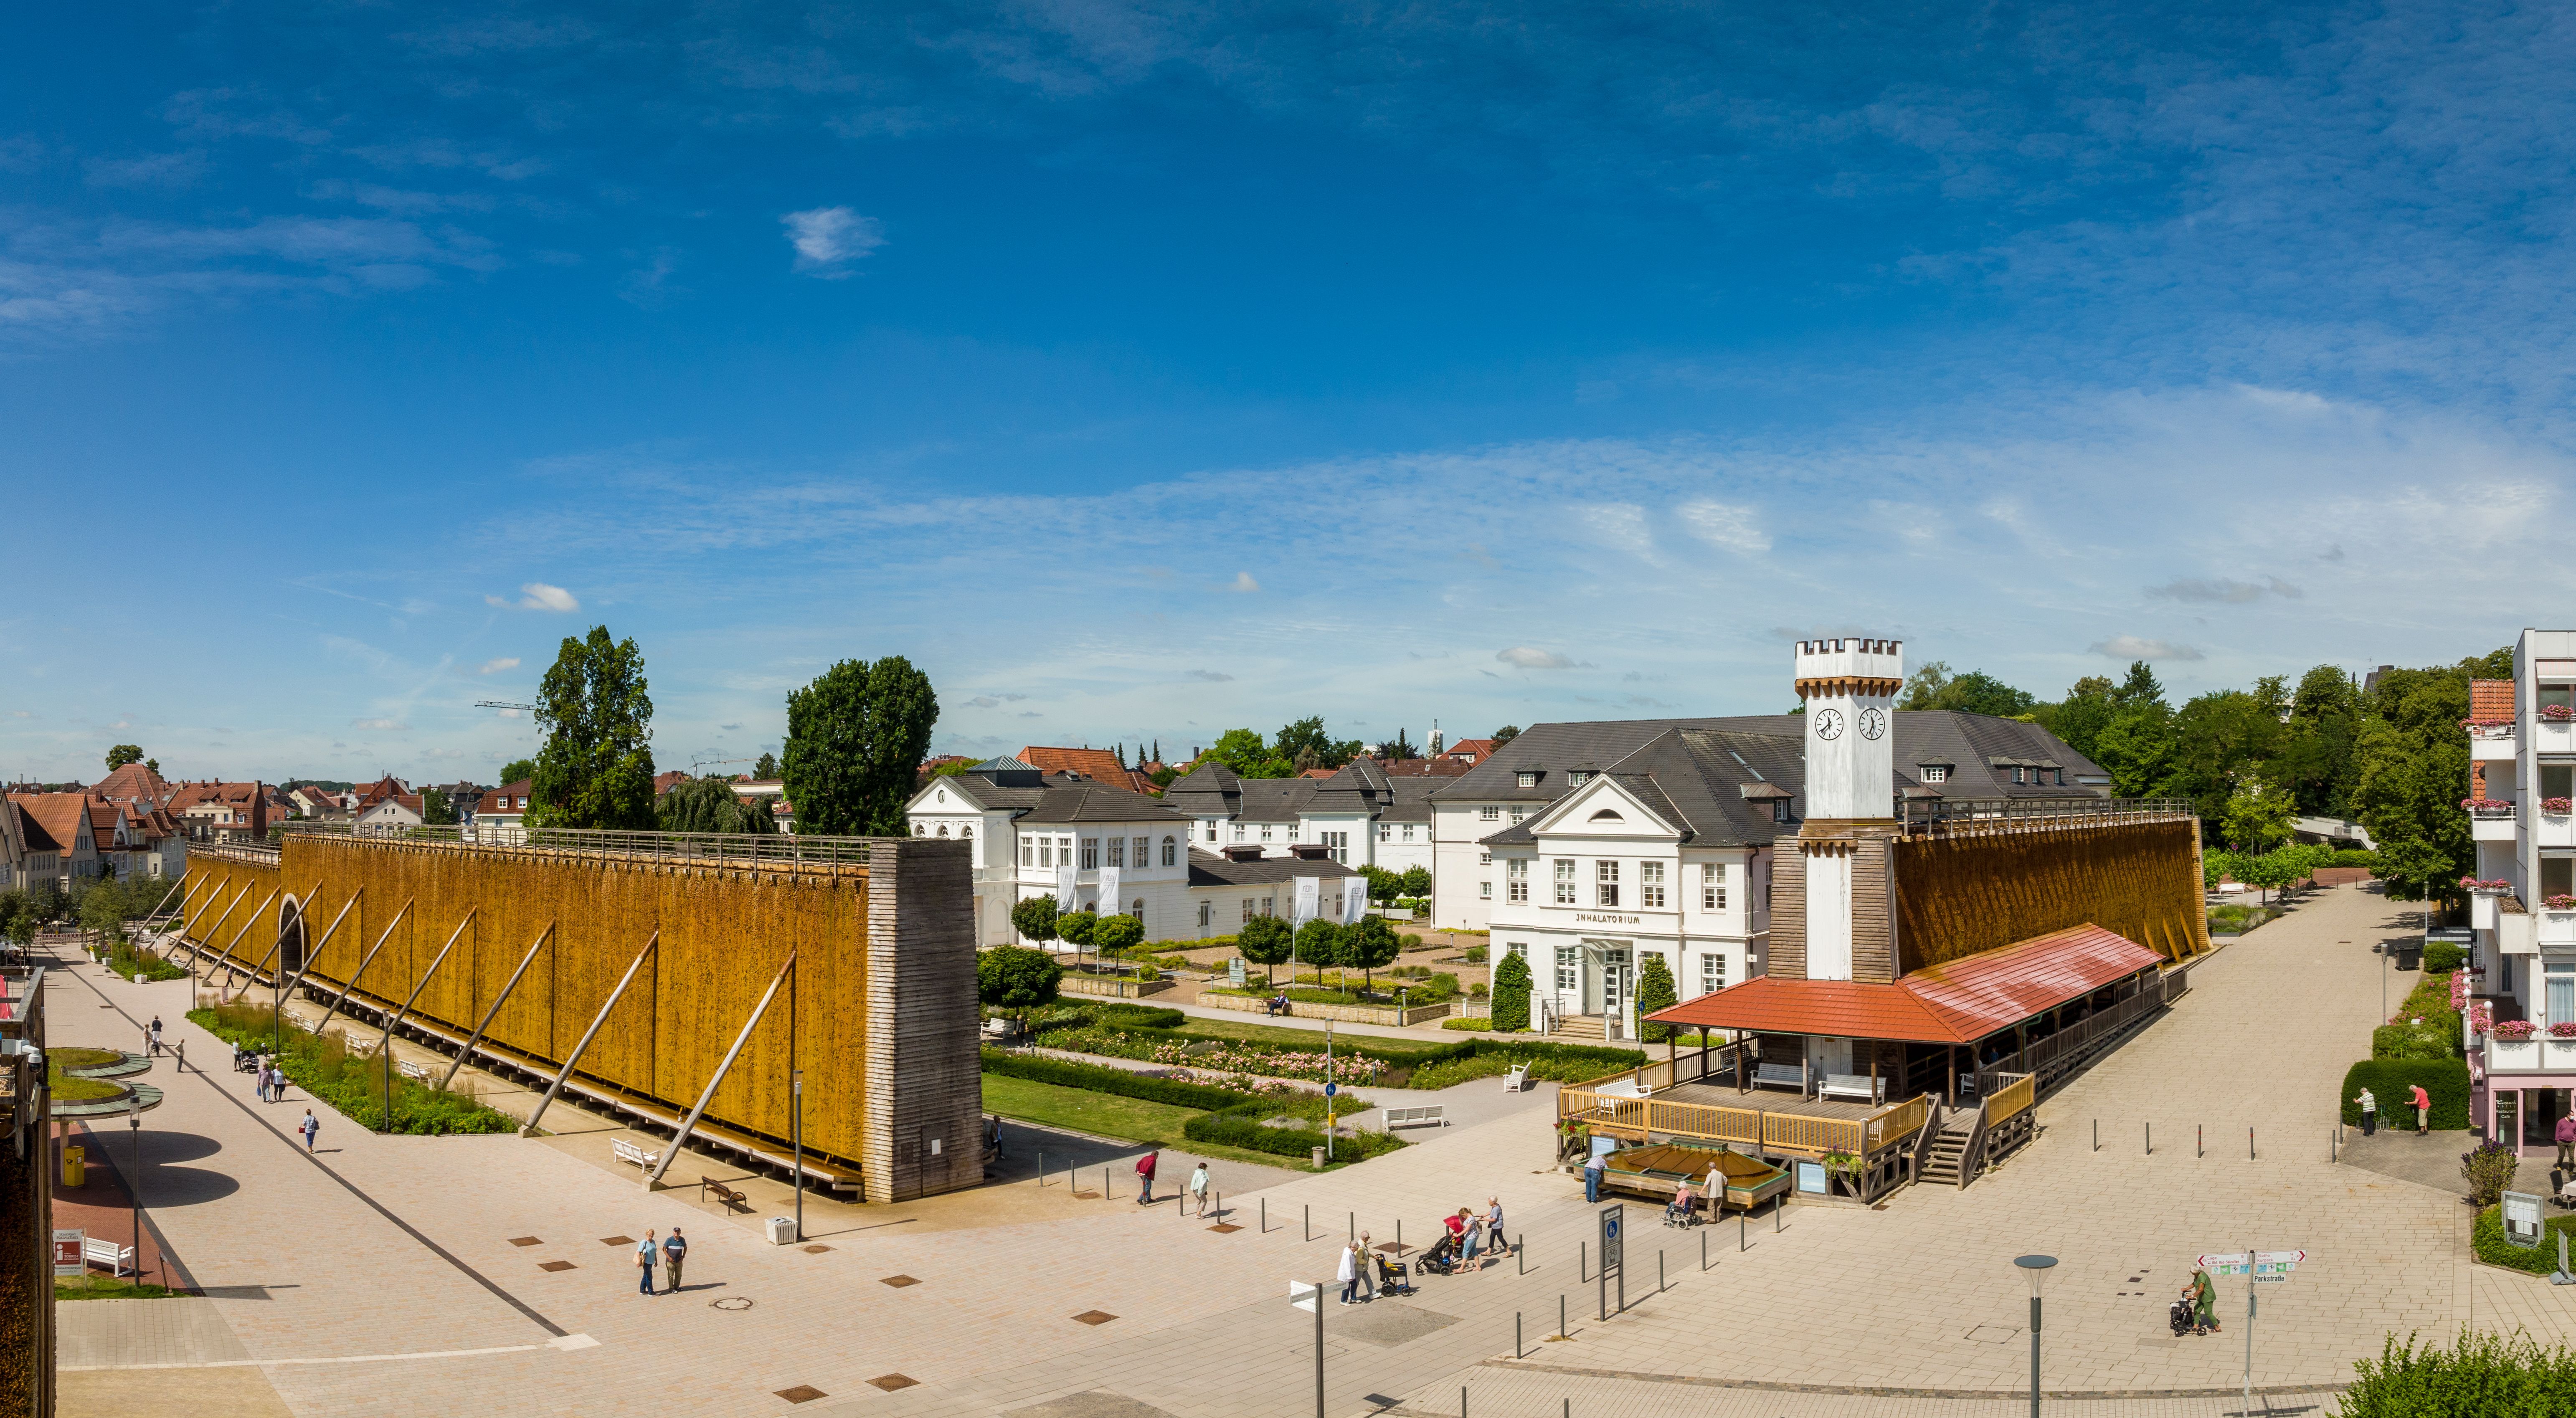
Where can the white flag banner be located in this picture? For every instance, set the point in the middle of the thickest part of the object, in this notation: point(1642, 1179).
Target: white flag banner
point(1064, 888)
point(1354, 899)
point(1310, 895)
point(1109, 902)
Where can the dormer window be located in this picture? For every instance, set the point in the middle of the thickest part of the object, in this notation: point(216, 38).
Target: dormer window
point(1779, 809)
point(1526, 778)
point(1577, 778)
point(1936, 772)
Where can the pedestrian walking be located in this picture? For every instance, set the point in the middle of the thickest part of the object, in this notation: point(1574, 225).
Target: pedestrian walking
point(2567, 1141)
point(2204, 1303)
point(1349, 1273)
point(156, 1036)
point(1368, 1267)
point(1494, 1242)
point(1592, 1167)
point(1145, 1179)
point(2369, 1113)
point(1199, 1188)
point(311, 1127)
point(1472, 1232)
point(2423, 1111)
point(645, 1251)
point(675, 1251)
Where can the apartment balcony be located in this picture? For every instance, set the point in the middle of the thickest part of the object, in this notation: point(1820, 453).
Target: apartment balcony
point(2557, 928)
point(2538, 1054)
point(2553, 736)
point(2491, 743)
point(2554, 825)
point(2492, 820)
point(2516, 930)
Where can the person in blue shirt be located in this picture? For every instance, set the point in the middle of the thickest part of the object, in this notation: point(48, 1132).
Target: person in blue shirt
point(674, 1251)
point(645, 1252)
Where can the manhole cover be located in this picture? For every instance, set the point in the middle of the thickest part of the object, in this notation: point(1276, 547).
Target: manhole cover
point(1094, 1317)
point(525, 1241)
point(1993, 1334)
point(1225, 1228)
point(891, 1382)
point(816, 1250)
point(556, 1265)
point(735, 1302)
point(802, 1393)
point(898, 1281)
point(617, 1240)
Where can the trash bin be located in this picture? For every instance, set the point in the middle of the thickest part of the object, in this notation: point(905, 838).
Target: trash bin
point(2410, 955)
point(1319, 1159)
point(782, 1230)
point(75, 1168)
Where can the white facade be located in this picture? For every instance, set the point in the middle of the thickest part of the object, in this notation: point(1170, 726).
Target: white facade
point(1609, 882)
point(1465, 882)
point(2529, 954)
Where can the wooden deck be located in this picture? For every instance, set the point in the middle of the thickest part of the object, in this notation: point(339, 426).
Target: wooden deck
point(1773, 1124)
point(1769, 1100)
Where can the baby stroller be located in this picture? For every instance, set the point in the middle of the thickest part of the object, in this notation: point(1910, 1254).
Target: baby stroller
point(1441, 1259)
point(2179, 1316)
point(1391, 1279)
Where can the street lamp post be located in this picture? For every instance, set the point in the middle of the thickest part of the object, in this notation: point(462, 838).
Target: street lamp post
point(796, 1135)
point(134, 1181)
point(2036, 1267)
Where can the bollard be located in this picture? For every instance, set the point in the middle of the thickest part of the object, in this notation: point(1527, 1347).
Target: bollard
point(1703, 1249)
point(2151, 1139)
point(1355, 1225)
point(1776, 1203)
point(1462, 1401)
point(1583, 1261)
point(1399, 1235)
point(1265, 1216)
point(2249, 1144)
point(1516, 1334)
point(1742, 1220)
point(1659, 1272)
point(1310, 1221)
point(2334, 1144)
point(1520, 1255)
point(1041, 1166)
point(1560, 1316)
point(2097, 1134)
point(2199, 1140)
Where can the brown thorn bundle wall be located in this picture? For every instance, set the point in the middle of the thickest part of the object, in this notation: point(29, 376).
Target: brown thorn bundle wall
point(1957, 895)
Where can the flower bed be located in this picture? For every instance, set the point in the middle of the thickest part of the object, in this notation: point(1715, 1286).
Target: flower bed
point(1229, 1056)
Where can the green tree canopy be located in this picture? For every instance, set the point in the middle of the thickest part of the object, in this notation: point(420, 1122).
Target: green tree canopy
point(1075, 927)
point(1265, 941)
point(1976, 692)
point(1034, 919)
point(1370, 944)
point(709, 804)
point(1654, 992)
point(1319, 943)
point(766, 768)
point(1243, 751)
point(1416, 881)
point(1016, 979)
point(518, 770)
point(435, 809)
point(1511, 992)
point(1115, 935)
point(1306, 742)
point(1506, 734)
point(2413, 770)
point(596, 768)
point(2258, 817)
point(856, 737)
point(122, 755)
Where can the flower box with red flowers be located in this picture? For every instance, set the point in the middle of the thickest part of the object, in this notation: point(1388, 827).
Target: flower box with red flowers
point(2487, 807)
point(2558, 903)
point(2515, 1029)
point(2497, 887)
point(2488, 728)
point(2564, 1029)
point(2557, 713)
point(2557, 807)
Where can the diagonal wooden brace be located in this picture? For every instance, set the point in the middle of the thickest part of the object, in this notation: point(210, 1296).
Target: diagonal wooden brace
point(370, 959)
point(530, 1128)
point(671, 1153)
point(497, 1000)
point(394, 1021)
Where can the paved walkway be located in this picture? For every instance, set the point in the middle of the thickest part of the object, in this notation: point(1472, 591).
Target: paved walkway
point(404, 1275)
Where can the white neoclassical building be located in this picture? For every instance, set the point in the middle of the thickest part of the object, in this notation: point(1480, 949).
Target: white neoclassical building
point(1360, 816)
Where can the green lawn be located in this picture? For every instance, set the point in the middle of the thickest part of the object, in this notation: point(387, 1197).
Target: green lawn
point(107, 1287)
point(1109, 1115)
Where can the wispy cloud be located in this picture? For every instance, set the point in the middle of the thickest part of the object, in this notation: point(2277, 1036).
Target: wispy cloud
point(1529, 657)
point(828, 239)
point(1212, 676)
point(1728, 525)
point(538, 596)
point(494, 667)
point(1242, 584)
point(380, 725)
point(2225, 592)
point(2131, 647)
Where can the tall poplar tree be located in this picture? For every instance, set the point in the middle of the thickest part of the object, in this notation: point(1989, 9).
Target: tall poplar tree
point(596, 769)
point(856, 738)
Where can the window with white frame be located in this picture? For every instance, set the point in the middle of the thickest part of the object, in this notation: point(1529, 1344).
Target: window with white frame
point(1118, 851)
point(1712, 887)
point(1516, 879)
point(1171, 851)
point(1936, 772)
point(1270, 905)
point(1564, 881)
point(1779, 809)
point(1525, 779)
point(1408, 832)
point(1517, 815)
point(1207, 914)
point(1046, 852)
point(1484, 891)
point(1577, 779)
point(1569, 968)
point(1249, 902)
point(1211, 829)
point(1712, 973)
point(967, 832)
point(1265, 832)
point(1484, 859)
point(1490, 812)
point(1386, 832)
point(1238, 832)
point(1605, 883)
point(1090, 853)
point(1650, 884)
point(1143, 854)
point(1337, 845)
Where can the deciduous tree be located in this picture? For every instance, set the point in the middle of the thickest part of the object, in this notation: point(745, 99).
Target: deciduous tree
point(596, 768)
point(1266, 941)
point(1035, 919)
point(856, 737)
point(122, 755)
point(709, 804)
point(1016, 979)
point(1371, 945)
point(1511, 993)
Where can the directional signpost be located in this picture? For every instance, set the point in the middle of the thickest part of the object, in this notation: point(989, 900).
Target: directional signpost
point(2261, 1268)
point(1310, 1298)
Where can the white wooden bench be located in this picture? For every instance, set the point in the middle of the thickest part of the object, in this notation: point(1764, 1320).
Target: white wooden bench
point(118, 1259)
point(300, 1021)
point(630, 1153)
point(1781, 1075)
point(1858, 1086)
point(413, 1070)
point(1517, 1080)
point(1429, 1115)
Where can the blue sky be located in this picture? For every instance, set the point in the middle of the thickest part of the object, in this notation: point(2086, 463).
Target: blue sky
point(1143, 371)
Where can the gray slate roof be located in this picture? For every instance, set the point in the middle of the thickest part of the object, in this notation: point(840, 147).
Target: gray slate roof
point(1695, 780)
point(1210, 869)
point(1361, 788)
point(1059, 797)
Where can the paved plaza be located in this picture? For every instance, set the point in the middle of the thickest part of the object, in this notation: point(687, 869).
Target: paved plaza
point(405, 1275)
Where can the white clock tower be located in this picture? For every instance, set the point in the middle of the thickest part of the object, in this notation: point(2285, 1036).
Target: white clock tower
point(1850, 688)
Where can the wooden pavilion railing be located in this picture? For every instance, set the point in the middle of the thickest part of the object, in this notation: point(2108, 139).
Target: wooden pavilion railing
point(2010, 1100)
point(2075, 1045)
point(1768, 1130)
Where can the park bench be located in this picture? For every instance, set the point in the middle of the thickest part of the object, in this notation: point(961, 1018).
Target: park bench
point(732, 1199)
point(300, 1021)
point(1517, 1080)
point(1781, 1075)
point(1857, 1086)
point(413, 1070)
point(118, 1259)
point(1429, 1115)
point(630, 1153)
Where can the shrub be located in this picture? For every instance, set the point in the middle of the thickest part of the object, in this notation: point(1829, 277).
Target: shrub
point(2485, 1374)
point(2442, 957)
point(1034, 919)
point(1099, 1078)
point(324, 1068)
point(2486, 1237)
point(2488, 1168)
point(2355, 857)
point(1472, 1023)
point(2447, 1080)
point(1474, 954)
point(2415, 1041)
point(1017, 979)
point(1654, 991)
point(1511, 993)
point(1140, 1016)
point(1244, 1126)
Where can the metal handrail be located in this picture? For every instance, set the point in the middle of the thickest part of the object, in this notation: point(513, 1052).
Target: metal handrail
point(613, 842)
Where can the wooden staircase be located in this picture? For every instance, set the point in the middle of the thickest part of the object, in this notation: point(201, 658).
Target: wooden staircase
point(1948, 1156)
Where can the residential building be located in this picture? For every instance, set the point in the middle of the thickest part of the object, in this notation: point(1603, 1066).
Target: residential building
point(1360, 816)
point(209, 812)
point(1468, 751)
point(389, 816)
point(665, 782)
point(370, 794)
point(135, 784)
point(60, 839)
point(320, 804)
point(1096, 846)
point(781, 810)
point(2522, 911)
point(1964, 762)
point(500, 816)
point(1096, 764)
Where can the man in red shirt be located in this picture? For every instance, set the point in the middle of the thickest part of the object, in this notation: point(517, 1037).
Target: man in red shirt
point(2423, 1111)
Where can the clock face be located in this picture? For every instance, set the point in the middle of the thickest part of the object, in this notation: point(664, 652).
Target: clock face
point(1873, 722)
point(1829, 724)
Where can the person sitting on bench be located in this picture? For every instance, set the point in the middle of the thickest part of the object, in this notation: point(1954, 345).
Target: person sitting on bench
point(1278, 1003)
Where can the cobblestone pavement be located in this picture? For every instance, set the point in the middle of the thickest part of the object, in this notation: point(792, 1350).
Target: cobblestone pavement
point(393, 1259)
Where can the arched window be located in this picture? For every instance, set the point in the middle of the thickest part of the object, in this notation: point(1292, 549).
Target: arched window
point(943, 829)
point(1606, 815)
point(967, 832)
point(919, 830)
point(1171, 852)
point(1136, 908)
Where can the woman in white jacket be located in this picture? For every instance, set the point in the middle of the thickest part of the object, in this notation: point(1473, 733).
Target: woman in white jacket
point(1349, 1274)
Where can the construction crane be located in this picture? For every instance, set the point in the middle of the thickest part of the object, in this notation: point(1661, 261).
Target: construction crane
point(505, 705)
point(716, 763)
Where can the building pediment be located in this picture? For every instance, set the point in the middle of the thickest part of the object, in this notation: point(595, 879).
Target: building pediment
point(1604, 807)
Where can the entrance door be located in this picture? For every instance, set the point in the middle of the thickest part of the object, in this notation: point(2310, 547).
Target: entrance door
point(2508, 1118)
point(1833, 1056)
point(2541, 1110)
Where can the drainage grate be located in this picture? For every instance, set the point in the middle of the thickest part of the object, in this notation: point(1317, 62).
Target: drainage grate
point(816, 1250)
point(556, 1265)
point(892, 1382)
point(802, 1393)
point(731, 1302)
point(1225, 1228)
point(617, 1240)
point(1094, 1317)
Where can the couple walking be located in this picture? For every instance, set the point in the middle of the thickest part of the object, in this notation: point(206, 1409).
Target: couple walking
point(1198, 1185)
point(672, 1254)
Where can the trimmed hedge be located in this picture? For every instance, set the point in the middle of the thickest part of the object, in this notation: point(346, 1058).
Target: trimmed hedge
point(2487, 1239)
point(1241, 1126)
point(2447, 1080)
point(1099, 1078)
point(2486, 1374)
point(2441, 958)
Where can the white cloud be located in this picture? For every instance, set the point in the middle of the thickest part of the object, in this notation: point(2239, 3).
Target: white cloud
point(2224, 591)
point(538, 596)
point(442, 753)
point(1212, 676)
point(1531, 658)
point(391, 726)
point(827, 239)
point(494, 667)
point(2130, 647)
point(1725, 525)
point(1242, 582)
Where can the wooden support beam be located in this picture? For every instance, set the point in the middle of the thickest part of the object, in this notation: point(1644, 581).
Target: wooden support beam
point(671, 1150)
point(218, 923)
point(226, 956)
point(363, 963)
point(477, 1036)
point(394, 1020)
point(530, 1128)
point(315, 951)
